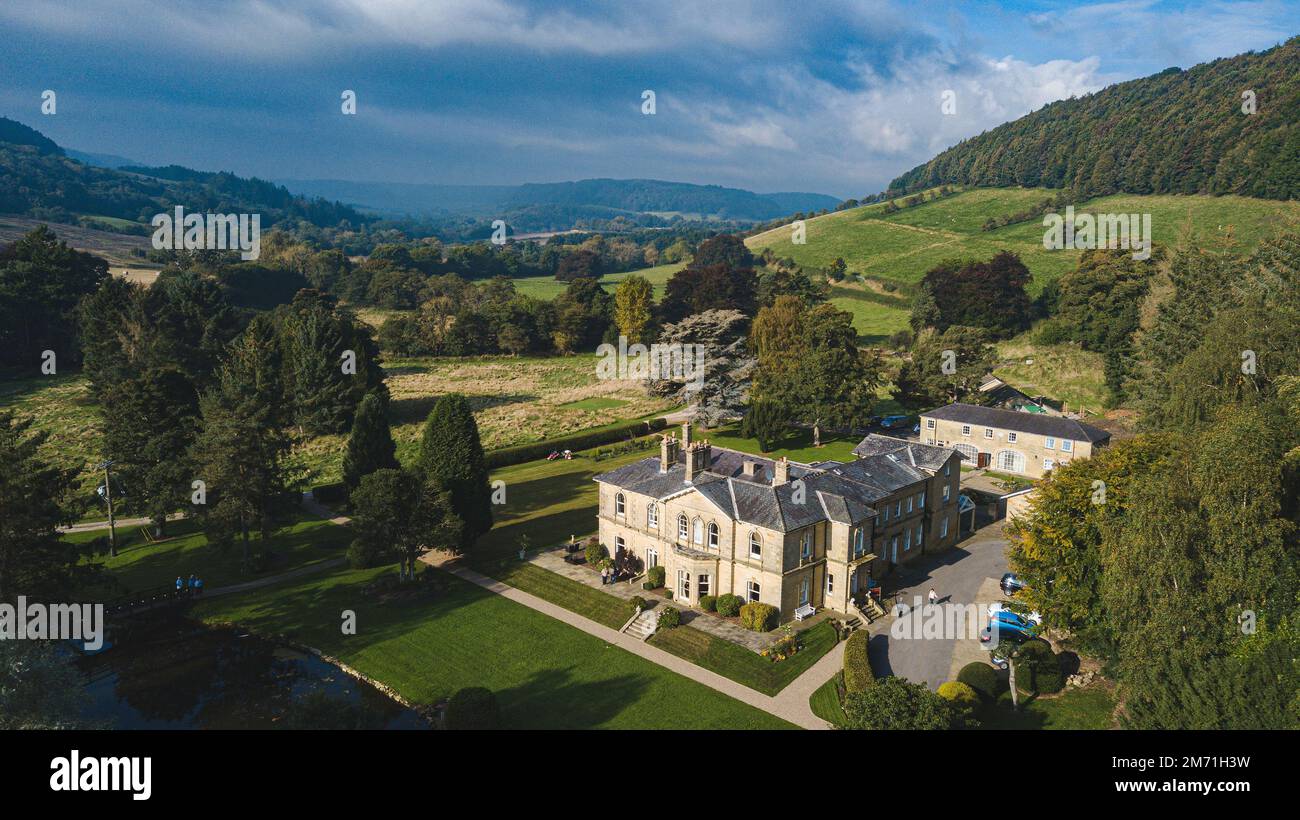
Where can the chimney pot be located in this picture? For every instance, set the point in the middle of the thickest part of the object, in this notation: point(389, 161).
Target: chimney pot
point(686, 434)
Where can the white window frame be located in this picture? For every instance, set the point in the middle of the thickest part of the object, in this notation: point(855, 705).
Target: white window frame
point(755, 545)
point(619, 544)
point(753, 591)
point(683, 585)
point(920, 535)
point(1048, 464)
point(909, 503)
point(830, 583)
point(1011, 438)
point(1049, 442)
point(806, 546)
point(898, 508)
point(965, 430)
point(907, 540)
point(922, 504)
point(683, 528)
point(947, 493)
point(651, 557)
point(805, 591)
point(929, 424)
point(620, 505)
point(943, 527)
point(652, 516)
point(702, 585)
point(697, 531)
point(713, 534)
point(1067, 446)
point(988, 432)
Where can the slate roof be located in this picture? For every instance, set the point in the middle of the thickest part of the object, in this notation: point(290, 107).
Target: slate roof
point(925, 456)
point(1034, 423)
point(833, 491)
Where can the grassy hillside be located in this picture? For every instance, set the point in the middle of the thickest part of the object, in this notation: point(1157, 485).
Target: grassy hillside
point(900, 247)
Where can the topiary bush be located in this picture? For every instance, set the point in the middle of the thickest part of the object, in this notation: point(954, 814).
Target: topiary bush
point(729, 605)
point(473, 708)
point(1038, 670)
point(670, 618)
point(709, 603)
point(857, 665)
point(983, 679)
point(759, 617)
point(959, 693)
point(655, 577)
point(595, 553)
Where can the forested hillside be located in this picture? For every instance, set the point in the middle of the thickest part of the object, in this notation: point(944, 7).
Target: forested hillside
point(37, 179)
point(1177, 132)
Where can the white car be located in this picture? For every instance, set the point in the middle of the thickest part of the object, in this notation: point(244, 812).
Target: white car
point(1001, 606)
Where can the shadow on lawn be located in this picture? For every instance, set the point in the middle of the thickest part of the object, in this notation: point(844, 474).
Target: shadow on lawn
point(550, 699)
point(417, 408)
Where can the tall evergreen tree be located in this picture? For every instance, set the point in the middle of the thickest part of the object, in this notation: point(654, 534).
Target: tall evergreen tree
point(451, 456)
point(370, 446)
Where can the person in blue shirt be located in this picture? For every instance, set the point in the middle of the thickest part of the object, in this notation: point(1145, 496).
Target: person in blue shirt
point(198, 586)
point(180, 585)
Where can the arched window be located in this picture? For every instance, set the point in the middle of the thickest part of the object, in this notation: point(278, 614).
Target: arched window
point(697, 527)
point(652, 515)
point(755, 545)
point(1011, 461)
point(858, 550)
point(713, 535)
point(681, 527)
point(620, 504)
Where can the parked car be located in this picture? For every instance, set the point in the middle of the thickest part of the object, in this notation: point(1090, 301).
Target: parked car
point(1007, 631)
point(1011, 584)
point(893, 421)
point(1002, 606)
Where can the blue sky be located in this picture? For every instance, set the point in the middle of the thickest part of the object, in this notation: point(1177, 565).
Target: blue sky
point(833, 97)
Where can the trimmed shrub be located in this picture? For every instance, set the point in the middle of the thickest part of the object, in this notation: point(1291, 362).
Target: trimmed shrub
point(520, 453)
point(595, 553)
point(729, 605)
point(857, 665)
point(670, 618)
point(959, 693)
point(982, 678)
point(654, 577)
point(473, 708)
point(759, 617)
point(636, 602)
point(1038, 670)
point(709, 603)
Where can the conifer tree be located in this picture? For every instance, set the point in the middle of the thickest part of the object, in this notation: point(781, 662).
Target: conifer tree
point(451, 456)
point(370, 446)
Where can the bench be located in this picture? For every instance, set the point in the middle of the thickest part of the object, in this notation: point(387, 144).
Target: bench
point(805, 611)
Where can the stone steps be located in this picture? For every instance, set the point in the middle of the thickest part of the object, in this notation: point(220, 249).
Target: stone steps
point(644, 625)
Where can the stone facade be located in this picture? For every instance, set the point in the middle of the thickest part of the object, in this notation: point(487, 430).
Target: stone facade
point(1008, 441)
point(783, 533)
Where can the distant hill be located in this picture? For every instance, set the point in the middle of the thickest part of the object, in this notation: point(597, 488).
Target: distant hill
point(101, 160)
point(557, 205)
point(39, 179)
point(1176, 132)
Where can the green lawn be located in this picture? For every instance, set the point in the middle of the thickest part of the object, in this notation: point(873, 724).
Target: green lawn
point(796, 445)
point(825, 702)
point(1064, 372)
point(875, 319)
point(1091, 708)
point(595, 403)
point(140, 565)
point(548, 287)
point(546, 675)
point(740, 664)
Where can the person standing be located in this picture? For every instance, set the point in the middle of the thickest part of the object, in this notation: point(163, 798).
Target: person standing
point(934, 597)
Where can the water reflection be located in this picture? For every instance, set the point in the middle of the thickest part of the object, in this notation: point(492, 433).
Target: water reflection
point(165, 672)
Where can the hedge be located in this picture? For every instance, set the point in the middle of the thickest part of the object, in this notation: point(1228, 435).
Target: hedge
point(519, 453)
point(759, 617)
point(654, 577)
point(982, 678)
point(729, 605)
point(858, 675)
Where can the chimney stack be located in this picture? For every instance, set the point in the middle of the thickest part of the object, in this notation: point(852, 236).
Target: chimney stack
point(749, 469)
point(686, 434)
point(667, 453)
point(782, 471)
point(698, 456)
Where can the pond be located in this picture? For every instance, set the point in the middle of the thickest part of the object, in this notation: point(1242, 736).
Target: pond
point(159, 670)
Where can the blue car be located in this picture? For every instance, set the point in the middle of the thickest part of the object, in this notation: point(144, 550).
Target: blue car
point(892, 421)
point(1014, 619)
point(1015, 633)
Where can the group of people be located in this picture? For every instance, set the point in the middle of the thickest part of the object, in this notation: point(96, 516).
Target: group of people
point(567, 454)
point(193, 587)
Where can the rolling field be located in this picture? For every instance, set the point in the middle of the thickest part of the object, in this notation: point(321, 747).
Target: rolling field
point(547, 287)
point(901, 247)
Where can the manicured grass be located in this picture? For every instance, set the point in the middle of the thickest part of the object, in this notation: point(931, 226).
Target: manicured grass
point(825, 702)
point(796, 445)
point(140, 565)
point(740, 664)
point(1091, 708)
point(874, 320)
point(62, 407)
point(545, 674)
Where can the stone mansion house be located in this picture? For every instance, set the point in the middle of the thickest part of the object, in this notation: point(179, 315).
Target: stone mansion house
point(787, 534)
